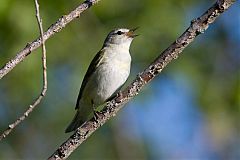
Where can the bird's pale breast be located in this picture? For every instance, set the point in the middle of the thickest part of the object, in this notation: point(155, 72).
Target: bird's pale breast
point(108, 77)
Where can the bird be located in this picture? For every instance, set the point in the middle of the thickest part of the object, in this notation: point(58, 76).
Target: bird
point(106, 74)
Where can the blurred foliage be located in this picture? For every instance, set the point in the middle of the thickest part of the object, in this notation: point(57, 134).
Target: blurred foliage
point(210, 64)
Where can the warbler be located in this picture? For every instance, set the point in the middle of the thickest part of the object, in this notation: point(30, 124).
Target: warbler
point(107, 72)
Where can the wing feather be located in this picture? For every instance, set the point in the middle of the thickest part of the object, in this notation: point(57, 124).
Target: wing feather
point(91, 69)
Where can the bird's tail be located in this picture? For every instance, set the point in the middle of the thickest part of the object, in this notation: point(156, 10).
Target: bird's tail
point(76, 122)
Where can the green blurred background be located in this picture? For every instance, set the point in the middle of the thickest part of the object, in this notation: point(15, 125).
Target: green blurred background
point(190, 111)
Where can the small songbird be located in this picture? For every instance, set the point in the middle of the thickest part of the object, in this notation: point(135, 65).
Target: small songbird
point(106, 74)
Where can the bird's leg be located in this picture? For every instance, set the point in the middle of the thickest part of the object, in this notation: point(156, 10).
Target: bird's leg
point(119, 97)
point(95, 112)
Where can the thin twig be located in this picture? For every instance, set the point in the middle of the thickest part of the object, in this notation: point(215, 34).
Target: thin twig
point(52, 30)
point(44, 88)
point(197, 27)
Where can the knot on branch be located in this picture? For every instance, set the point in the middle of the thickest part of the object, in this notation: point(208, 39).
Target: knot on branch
point(198, 26)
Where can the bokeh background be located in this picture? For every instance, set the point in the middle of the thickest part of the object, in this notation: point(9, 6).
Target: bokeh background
point(190, 111)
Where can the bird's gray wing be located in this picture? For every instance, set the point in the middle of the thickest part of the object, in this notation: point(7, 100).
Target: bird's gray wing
point(92, 67)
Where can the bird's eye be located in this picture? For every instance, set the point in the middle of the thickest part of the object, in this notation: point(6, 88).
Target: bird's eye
point(119, 32)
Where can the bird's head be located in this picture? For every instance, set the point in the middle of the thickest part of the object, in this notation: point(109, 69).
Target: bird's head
point(120, 36)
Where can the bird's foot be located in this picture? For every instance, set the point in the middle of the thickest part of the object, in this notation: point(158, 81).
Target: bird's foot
point(96, 115)
point(119, 97)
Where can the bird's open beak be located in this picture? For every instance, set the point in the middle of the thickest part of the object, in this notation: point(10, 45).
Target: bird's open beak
point(131, 33)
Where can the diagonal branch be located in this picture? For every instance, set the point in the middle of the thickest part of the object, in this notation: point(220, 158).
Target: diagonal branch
point(52, 30)
point(197, 27)
point(44, 89)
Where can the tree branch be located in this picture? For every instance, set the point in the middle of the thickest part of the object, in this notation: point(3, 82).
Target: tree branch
point(44, 89)
point(52, 30)
point(197, 27)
